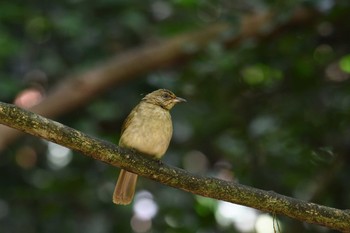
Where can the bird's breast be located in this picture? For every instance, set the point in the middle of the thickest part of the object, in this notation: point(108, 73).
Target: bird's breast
point(149, 131)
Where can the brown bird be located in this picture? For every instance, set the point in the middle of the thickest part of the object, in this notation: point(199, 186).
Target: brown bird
point(148, 130)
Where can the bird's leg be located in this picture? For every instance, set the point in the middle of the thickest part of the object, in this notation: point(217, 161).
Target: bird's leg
point(160, 162)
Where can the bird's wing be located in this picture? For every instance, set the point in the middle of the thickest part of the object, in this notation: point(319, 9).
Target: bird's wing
point(129, 119)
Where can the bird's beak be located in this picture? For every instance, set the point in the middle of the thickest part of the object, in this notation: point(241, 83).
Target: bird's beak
point(178, 100)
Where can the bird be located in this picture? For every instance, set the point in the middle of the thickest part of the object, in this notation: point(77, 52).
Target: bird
point(148, 130)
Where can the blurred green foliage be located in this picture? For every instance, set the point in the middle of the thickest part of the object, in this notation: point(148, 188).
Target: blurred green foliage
point(273, 113)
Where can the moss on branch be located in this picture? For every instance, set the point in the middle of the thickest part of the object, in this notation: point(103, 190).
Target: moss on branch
point(267, 201)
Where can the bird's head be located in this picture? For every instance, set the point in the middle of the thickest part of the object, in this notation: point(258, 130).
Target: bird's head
point(163, 98)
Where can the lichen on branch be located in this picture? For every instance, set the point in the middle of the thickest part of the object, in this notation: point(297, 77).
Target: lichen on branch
point(267, 201)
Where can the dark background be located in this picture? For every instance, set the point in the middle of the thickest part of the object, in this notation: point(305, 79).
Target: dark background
point(272, 113)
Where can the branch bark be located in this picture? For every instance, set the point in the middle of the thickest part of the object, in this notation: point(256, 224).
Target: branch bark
point(77, 90)
point(267, 201)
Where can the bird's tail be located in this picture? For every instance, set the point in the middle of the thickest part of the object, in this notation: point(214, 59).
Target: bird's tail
point(125, 188)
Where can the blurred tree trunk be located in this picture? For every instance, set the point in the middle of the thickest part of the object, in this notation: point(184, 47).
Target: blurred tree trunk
point(76, 91)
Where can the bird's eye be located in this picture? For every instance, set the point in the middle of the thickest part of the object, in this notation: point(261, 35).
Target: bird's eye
point(166, 96)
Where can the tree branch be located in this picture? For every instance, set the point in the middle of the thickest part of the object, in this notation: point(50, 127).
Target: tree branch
point(267, 201)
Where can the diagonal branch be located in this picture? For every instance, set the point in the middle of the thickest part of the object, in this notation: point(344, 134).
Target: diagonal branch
point(77, 90)
point(268, 201)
